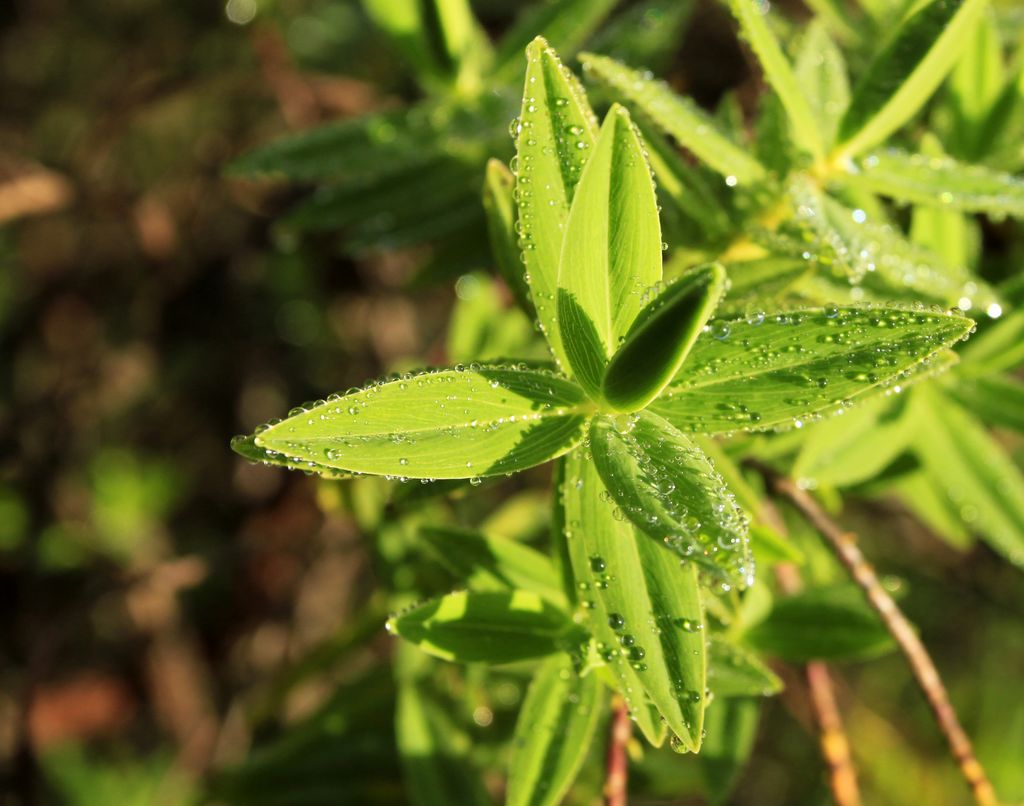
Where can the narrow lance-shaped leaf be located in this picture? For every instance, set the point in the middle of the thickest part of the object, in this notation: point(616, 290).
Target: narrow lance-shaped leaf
point(780, 75)
point(487, 562)
point(822, 623)
point(489, 627)
point(939, 182)
point(665, 485)
point(906, 72)
point(981, 482)
point(611, 253)
point(555, 135)
point(821, 71)
point(434, 752)
point(553, 733)
point(975, 84)
point(457, 423)
point(500, 209)
point(736, 672)
point(763, 372)
point(678, 117)
point(643, 609)
point(660, 339)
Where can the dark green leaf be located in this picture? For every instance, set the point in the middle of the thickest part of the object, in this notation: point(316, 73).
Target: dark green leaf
point(736, 672)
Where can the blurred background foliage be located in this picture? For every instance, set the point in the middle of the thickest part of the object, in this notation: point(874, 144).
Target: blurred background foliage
point(180, 625)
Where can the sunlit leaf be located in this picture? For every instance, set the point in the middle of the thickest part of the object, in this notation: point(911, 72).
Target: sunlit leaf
point(556, 725)
point(660, 338)
point(555, 135)
point(456, 423)
point(761, 372)
point(821, 623)
point(940, 181)
point(904, 74)
point(779, 73)
point(488, 627)
point(754, 284)
point(981, 482)
point(500, 210)
point(487, 562)
point(678, 117)
point(644, 609)
point(663, 483)
point(612, 251)
point(821, 71)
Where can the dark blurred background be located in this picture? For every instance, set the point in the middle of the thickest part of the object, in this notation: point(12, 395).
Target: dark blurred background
point(153, 585)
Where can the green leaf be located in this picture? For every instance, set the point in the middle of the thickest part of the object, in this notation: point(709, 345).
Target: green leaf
point(976, 83)
point(483, 328)
point(660, 339)
point(736, 672)
point(940, 182)
point(821, 71)
point(665, 485)
point(644, 609)
point(246, 447)
point(906, 72)
point(950, 233)
point(763, 372)
point(770, 548)
point(997, 348)
point(981, 482)
point(647, 32)
point(756, 283)
point(612, 251)
point(678, 117)
point(434, 752)
point(554, 731)
point(821, 623)
point(732, 728)
point(995, 399)
point(779, 73)
point(555, 135)
point(847, 450)
point(488, 627)
point(487, 562)
point(500, 210)
point(924, 497)
point(564, 24)
point(455, 423)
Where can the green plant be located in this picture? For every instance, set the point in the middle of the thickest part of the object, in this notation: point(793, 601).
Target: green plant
point(792, 290)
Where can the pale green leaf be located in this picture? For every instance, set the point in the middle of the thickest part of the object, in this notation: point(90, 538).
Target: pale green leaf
point(500, 210)
point(555, 135)
point(995, 399)
point(643, 609)
point(485, 562)
point(981, 482)
point(754, 284)
point(246, 447)
point(821, 70)
point(906, 72)
point(771, 548)
point(554, 731)
point(779, 73)
point(940, 182)
point(976, 83)
point(925, 498)
point(660, 339)
point(678, 117)
point(821, 623)
point(488, 627)
point(843, 451)
point(998, 347)
point(434, 752)
point(456, 423)
point(950, 233)
point(483, 328)
point(665, 485)
point(564, 24)
point(767, 371)
point(736, 672)
point(611, 254)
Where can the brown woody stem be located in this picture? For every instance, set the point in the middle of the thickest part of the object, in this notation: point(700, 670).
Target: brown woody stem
point(617, 766)
point(844, 545)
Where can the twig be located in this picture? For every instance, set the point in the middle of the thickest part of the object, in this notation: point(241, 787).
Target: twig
point(844, 545)
point(617, 768)
point(835, 747)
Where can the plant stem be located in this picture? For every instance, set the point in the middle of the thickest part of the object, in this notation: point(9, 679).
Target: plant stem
point(617, 767)
point(844, 545)
point(835, 747)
